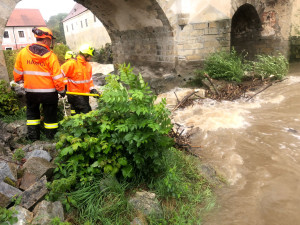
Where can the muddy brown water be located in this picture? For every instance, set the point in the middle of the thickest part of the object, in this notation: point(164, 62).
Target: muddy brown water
point(255, 146)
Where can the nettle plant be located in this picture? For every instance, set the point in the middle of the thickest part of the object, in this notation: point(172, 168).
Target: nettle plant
point(125, 136)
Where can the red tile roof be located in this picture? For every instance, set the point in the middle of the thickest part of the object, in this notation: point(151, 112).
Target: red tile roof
point(77, 9)
point(26, 18)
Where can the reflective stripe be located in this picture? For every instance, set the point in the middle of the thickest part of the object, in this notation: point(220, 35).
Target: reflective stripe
point(91, 88)
point(36, 73)
point(79, 82)
point(40, 90)
point(18, 71)
point(73, 111)
point(33, 122)
point(51, 125)
point(57, 77)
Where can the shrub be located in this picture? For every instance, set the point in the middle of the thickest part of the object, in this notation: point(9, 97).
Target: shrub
point(10, 59)
point(104, 55)
point(267, 66)
point(60, 51)
point(126, 135)
point(7, 216)
point(8, 100)
point(225, 65)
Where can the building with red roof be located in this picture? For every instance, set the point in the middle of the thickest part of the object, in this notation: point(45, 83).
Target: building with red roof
point(18, 30)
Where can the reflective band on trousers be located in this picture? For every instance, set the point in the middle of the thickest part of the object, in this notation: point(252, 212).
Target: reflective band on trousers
point(73, 111)
point(18, 71)
point(33, 122)
point(41, 90)
point(80, 81)
point(51, 125)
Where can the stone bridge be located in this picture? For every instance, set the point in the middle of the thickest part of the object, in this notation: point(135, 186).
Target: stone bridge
point(175, 36)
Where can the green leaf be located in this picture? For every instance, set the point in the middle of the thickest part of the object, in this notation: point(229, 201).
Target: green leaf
point(122, 161)
point(127, 171)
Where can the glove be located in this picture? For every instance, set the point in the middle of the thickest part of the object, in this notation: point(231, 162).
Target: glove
point(94, 91)
point(62, 93)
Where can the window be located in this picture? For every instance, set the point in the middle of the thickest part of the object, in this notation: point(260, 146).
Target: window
point(95, 18)
point(8, 48)
point(86, 23)
point(6, 35)
point(81, 24)
point(72, 27)
point(21, 33)
point(67, 28)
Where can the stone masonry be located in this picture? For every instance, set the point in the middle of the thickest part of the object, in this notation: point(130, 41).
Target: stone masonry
point(178, 35)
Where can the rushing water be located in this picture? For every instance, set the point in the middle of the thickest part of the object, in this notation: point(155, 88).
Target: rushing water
point(255, 146)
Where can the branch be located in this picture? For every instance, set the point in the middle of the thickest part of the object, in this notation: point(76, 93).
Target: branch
point(210, 81)
point(184, 100)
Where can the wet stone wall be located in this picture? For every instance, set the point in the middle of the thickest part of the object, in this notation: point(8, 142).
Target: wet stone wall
point(295, 48)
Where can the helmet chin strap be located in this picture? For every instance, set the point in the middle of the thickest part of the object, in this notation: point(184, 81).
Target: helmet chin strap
point(52, 44)
point(85, 57)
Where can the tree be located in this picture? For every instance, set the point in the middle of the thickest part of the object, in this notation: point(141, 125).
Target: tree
point(56, 25)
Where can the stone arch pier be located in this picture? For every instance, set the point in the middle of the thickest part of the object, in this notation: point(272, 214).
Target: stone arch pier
point(173, 37)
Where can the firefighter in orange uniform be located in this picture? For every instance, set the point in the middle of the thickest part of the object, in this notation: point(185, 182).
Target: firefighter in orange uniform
point(69, 56)
point(79, 74)
point(38, 67)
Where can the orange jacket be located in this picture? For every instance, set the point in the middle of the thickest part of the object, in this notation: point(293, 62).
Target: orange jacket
point(79, 74)
point(39, 73)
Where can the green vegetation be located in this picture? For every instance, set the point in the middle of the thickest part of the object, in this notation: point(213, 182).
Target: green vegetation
point(10, 59)
point(18, 154)
point(8, 100)
point(60, 51)
point(230, 66)
point(19, 115)
point(267, 66)
point(185, 194)
point(125, 136)
point(57, 221)
point(104, 55)
point(225, 66)
point(56, 25)
point(108, 154)
point(7, 216)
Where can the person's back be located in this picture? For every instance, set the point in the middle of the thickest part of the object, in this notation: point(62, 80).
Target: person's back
point(38, 67)
point(79, 75)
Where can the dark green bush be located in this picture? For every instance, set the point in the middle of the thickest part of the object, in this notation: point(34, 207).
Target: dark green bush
point(60, 51)
point(8, 100)
point(10, 59)
point(225, 66)
point(104, 55)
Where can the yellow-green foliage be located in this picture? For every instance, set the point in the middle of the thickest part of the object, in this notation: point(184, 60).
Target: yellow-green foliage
point(60, 51)
point(10, 59)
point(8, 100)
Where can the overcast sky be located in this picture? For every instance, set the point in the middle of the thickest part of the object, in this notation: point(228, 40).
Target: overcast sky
point(47, 8)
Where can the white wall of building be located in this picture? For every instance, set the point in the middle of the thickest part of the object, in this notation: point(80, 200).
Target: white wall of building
point(85, 28)
point(15, 41)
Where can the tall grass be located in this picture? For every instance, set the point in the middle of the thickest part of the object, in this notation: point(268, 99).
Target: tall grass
point(102, 202)
point(184, 195)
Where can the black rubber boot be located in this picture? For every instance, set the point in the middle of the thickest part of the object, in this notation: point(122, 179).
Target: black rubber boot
point(50, 133)
point(33, 132)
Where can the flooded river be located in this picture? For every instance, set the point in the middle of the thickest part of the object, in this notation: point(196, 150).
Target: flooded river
point(255, 146)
